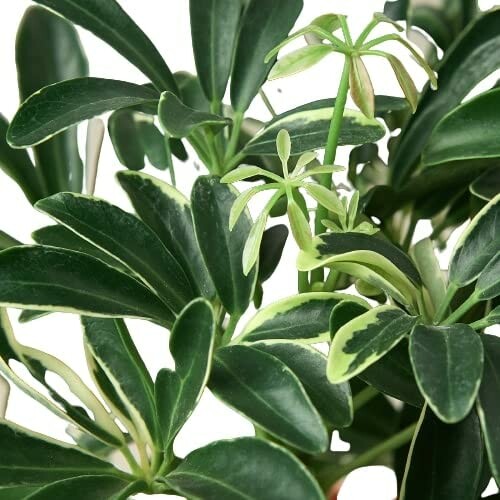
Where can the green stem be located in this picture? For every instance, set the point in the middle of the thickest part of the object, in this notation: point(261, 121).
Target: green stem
point(303, 282)
point(363, 397)
point(231, 327)
point(458, 313)
point(234, 162)
point(134, 466)
point(331, 281)
point(445, 303)
point(267, 102)
point(233, 139)
point(170, 163)
point(215, 166)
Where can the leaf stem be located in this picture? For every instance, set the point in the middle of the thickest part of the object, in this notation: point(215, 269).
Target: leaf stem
point(233, 139)
point(303, 281)
point(267, 102)
point(132, 462)
point(443, 307)
point(363, 397)
point(231, 327)
point(464, 307)
point(170, 163)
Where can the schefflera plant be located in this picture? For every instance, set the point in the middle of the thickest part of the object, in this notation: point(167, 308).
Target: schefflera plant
point(193, 266)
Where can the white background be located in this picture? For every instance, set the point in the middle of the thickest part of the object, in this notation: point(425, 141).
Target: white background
point(167, 24)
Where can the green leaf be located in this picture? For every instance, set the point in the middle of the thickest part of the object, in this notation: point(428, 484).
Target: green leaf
point(299, 225)
point(243, 468)
point(48, 50)
point(167, 212)
point(492, 318)
point(53, 279)
point(16, 492)
point(325, 197)
point(301, 317)
point(112, 348)
point(333, 401)
point(271, 249)
point(179, 120)
point(365, 339)
point(448, 365)
point(211, 204)
point(328, 22)
point(61, 105)
point(477, 245)
point(191, 345)
point(308, 127)
point(344, 311)
point(108, 21)
point(405, 81)
point(17, 165)
point(263, 26)
point(487, 186)
point(472, 58)
point(7, 241)
point(214, 30)
point(86, 488)
point(253, 243)
point(299, 60)
point(126, 238)
point(466, 133)
point(272, 396)
point(445, 461)
point(32, 459)
point(393, 375)
point(488, 283)
point(361, 87)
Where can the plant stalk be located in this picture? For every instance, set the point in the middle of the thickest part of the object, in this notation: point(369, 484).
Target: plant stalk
point(170, 163)
point(443, 307)
point(459, 312)
point(233, 139)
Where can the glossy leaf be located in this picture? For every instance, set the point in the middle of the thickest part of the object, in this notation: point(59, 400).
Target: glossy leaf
point(179, 120)
point(299, 60)
point(48, 50)
point(214, 30)
point(477, 245)
point(263, 26)
point(308, 127)
point(272, 397)
point(111, 23)
point(32, 459)
point(167, 212)
point(448, 364)
point(333, 401)
point(361, 87)
point(243, 468)
point(345, 311)
point(472, 58)
point(271, 250)
point(191, 345)
point(487, 186)
point(61, 105)
point(301, 317)
point(445, 461)
point(113, 349)
point(126, 238)
point(488, 283)
point(365, 339)
point(53, 279)
point(211, 204)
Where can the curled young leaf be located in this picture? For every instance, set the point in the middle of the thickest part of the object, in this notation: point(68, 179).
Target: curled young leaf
point(299, 225)
point(361, 87)
point(299, 60)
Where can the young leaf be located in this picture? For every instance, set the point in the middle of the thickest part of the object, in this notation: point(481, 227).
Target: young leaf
point(299, 60)
point(271, 249)
point(214, 30)
point(333, 401)
point(211, 203)
point(112, 348)
point(327, 22)
point(283, 146)
point(48, 50)
point(448, 365)
point(167, 212)
point(253, 243)
point(361, 87)
point(263, 26)
point(365, 339)
point(53, 279)
point(325, 197)
point(299, 225)
point(78, 100)
point(191, 345)
point(477, 245)
point(243, 468)
point(111, 23)
point(272, 397)
point(126, 238)
point(179, 120)
point(405, 81)
point(244, 172)
point(301, 317)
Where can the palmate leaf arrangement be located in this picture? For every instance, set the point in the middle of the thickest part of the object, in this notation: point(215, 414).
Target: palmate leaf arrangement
point(412, 377)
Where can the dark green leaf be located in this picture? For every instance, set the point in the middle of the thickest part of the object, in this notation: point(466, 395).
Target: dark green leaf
point(179, 120)
point(110, 344)
point(214, 29)
point(487, 186)
point(31, 459)
point(488, 283)
point(271, 249)
point(61, 105)
point(333, 401)
point(445, 462)
point(344, 312)
point(53, 279)
point(17, 165)
point(243, 468)
point(308, 127)
point(272, 396)
point(448, 364)
point(48, 50)
point(477, 245)
point(474, 56)
point(126, 238)
point(301, 317)
point(191, 93)
point(365, 339)
point(16, 492)
point(191, 345)
point(166, 211)
point(211, 203)
point(7, 241)
point(111, 23)
point(264, 25)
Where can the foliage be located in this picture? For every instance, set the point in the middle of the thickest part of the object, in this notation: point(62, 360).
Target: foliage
point(395, 325)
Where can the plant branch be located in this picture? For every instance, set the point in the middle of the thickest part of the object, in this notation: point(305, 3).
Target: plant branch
point(445, 303)
point(233, 139)
point(458, 313)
